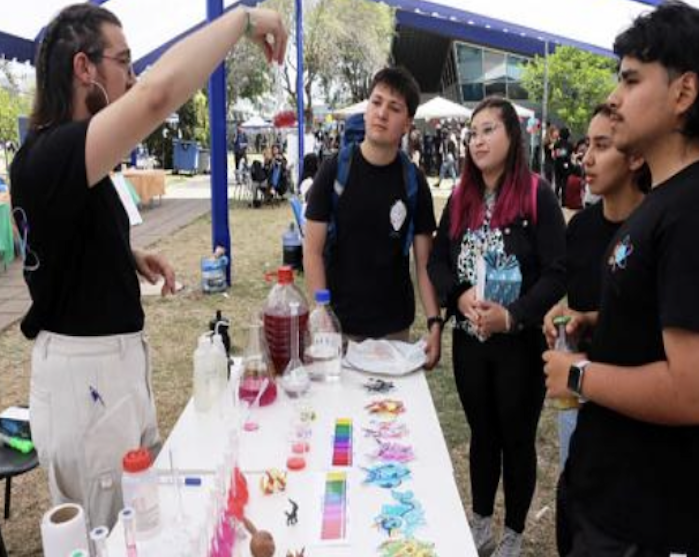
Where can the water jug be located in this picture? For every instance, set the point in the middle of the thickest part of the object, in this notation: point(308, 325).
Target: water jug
point(213, 274)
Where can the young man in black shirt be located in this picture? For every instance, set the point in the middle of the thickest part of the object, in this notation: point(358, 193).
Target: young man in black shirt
point(631, 478)
point(621, 181)
point(91, 398)
point(368, 273)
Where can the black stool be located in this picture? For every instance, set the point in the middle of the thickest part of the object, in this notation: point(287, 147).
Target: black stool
point(13, 463)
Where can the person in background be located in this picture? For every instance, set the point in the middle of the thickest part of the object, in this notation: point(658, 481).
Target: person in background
point(91, 398)
point(240, 148)
point(630, 482)
point(502, 212)
point(562, 152)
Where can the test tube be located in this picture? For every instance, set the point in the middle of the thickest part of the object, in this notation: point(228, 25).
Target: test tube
point(560, 323)
point(99, 539)
point(127, 516)
point(79, 553)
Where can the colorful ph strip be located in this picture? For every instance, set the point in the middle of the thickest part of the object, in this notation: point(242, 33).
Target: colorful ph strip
point(334, 526)
point(342, 444)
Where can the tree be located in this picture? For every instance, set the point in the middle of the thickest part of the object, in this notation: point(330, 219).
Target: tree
point(578, 81)
point(344, 43)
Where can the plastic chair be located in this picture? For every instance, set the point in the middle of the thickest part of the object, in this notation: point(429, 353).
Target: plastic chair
point(14, 463)
point(297, 208)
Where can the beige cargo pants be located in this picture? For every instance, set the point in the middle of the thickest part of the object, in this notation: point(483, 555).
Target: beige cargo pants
point(90, 402)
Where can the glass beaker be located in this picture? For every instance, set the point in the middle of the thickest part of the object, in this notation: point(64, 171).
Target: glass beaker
point(295, 380)
point(257, 371)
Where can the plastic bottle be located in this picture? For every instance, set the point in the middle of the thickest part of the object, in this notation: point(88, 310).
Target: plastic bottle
point(277, 318)
point(292, 253)
point(563, 344)
point(324, 353)
point(220, 364)
point(139, 484)
point(204, 375)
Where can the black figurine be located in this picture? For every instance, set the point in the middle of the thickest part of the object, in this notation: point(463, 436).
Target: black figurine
point(380, 386)
point(292, 517)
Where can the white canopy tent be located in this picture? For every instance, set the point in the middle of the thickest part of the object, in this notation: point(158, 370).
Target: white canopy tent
point(439, 107)
point(522, 111)
point(357, 108)
point(256, 123)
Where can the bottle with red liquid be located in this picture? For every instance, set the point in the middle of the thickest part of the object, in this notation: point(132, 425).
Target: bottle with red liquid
point(277, 319)
point(258, 372)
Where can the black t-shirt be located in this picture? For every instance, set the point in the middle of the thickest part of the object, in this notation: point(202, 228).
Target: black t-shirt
point(587, 238)
point(368, 274)
point(79, 266)
point(640, 481)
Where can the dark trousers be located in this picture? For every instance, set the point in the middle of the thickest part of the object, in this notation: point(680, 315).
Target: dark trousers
point(577, 536)
point(501, 387)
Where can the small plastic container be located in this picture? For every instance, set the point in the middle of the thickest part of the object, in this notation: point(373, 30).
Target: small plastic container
point(139, 485)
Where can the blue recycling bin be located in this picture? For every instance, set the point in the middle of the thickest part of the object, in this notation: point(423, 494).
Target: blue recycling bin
point(185, 156)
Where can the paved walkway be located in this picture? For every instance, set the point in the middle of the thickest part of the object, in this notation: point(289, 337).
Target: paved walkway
point(160, 219)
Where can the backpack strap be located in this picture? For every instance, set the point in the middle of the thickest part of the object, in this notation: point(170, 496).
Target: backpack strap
point(344, 162)
point(410, 181)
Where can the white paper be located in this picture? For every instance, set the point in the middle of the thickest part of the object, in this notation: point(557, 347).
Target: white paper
point(386, 357)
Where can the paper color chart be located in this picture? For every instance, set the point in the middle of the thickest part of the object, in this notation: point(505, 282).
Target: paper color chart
point(342, 443)
point(334, 526)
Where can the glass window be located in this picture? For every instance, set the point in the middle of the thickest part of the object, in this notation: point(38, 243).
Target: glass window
point(493, 65)
point(515, 67)
point(516, 91)
point(470, 63)
point(496, 88)
point(472, 91)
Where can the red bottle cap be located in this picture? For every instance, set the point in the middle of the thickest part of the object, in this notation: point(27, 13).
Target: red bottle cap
point(285, 275)
point(137, 460)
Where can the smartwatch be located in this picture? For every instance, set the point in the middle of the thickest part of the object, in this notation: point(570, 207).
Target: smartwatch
point(436, 319)
point(575, 376)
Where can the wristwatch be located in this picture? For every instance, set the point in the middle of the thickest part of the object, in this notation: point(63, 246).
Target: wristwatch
point(435, 319)
point(575, 376)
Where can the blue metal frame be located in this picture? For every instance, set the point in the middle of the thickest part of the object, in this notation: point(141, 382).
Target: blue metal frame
point(220, 230)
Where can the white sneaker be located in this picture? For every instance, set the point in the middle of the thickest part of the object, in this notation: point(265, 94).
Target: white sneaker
point(510, 544)
point(482, 531)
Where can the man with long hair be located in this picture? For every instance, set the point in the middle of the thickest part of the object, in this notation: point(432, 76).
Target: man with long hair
point(631, 477)
point(91, 397)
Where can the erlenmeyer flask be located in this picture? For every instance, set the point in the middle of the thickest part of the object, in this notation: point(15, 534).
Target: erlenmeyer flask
point(257, 371)
point(295, 380)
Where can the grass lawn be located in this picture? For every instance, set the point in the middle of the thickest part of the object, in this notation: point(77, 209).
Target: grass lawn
point(173, 325)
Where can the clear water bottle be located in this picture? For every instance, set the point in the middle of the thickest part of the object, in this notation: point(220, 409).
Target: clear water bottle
point(564, 344)
point(324, 353)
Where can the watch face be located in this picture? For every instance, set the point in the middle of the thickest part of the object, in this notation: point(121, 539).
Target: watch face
point(574, 379)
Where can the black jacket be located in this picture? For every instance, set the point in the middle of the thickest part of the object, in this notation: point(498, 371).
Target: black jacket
point(539, 248)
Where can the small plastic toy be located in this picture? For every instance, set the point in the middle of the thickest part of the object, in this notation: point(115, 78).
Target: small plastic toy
point(292, 517)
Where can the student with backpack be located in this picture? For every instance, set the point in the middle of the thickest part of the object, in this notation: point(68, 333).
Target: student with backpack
point(368, 206)
point(498, 266)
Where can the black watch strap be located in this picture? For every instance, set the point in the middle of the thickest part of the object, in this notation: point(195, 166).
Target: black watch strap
point(435, 319)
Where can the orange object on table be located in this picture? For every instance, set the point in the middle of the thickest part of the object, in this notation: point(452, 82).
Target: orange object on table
point(147, 183)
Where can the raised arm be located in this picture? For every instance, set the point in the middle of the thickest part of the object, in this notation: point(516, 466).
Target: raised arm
point(182, 70)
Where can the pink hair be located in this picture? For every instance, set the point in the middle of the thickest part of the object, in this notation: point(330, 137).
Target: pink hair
point(515, 196)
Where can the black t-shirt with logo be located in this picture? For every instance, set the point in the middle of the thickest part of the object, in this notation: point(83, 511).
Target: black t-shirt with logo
point(369, 274)
point(636, 480)
point(78, 261)
point(587, 237)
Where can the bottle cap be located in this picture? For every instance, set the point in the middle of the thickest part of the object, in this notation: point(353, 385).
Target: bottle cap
point(285, 275)
point(136, 460)
point(562, 320)
point(322, 296)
